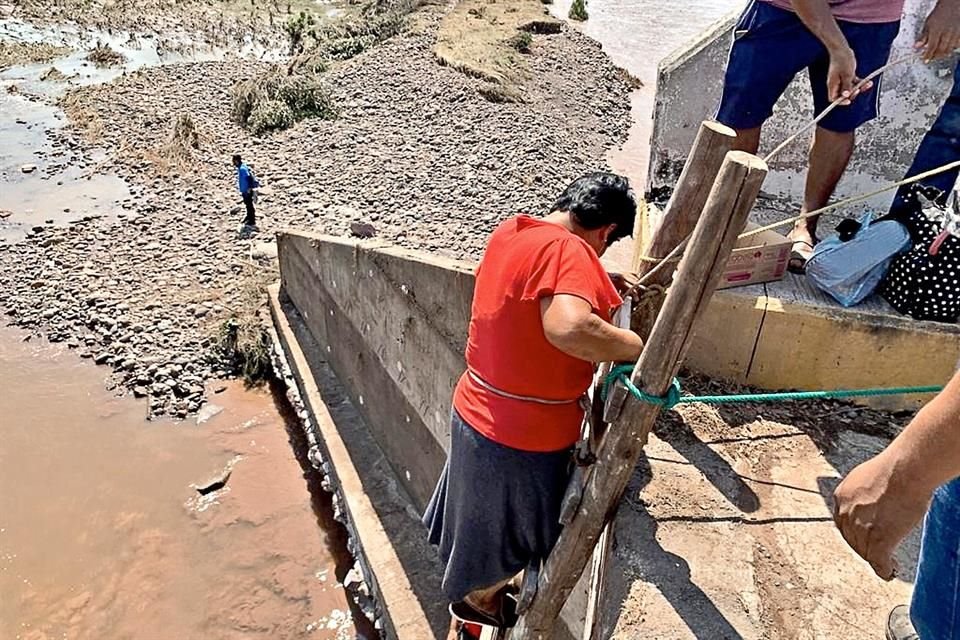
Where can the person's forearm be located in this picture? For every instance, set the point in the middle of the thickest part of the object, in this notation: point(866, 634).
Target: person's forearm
point(927, 453)
point(594, 340)
point(817, 17)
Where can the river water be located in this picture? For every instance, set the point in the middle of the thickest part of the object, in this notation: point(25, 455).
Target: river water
point(637, 35)
point(65, 187)
point(104, 535)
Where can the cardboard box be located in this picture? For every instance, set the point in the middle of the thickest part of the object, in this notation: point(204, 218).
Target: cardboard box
point(759, 258)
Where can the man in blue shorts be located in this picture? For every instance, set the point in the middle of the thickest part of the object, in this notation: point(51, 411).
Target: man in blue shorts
point(838, 42)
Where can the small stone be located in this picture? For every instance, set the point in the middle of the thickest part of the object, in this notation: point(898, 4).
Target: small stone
point(207, 412)
point(362, 230)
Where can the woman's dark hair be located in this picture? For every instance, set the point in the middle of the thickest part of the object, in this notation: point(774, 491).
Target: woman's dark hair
point(237, 159)
point(598, 199)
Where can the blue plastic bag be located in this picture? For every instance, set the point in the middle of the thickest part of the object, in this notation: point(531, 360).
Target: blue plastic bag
point(850, 266)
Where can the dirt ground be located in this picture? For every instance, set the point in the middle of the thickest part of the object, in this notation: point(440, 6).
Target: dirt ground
point(726, 529)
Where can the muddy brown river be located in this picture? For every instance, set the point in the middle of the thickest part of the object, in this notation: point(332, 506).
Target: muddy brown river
point(103, 536)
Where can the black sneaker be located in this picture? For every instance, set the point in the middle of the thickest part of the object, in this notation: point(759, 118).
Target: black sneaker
point(899, 626)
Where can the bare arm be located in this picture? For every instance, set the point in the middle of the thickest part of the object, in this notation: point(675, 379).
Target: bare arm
point(941, 31)
point(570, 325)
point(842, 76)
point(881, 500)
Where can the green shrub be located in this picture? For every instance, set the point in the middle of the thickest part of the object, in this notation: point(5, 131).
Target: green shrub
point(522, 42)
point(578, 10)
point(344, 40)
point(311, 63)
point(298, 28)
point(276, 100)
point(269, 115)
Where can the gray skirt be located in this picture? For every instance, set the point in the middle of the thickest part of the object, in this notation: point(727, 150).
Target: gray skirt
point(495, 510)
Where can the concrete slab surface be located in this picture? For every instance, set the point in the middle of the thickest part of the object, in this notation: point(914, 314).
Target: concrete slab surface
point(726, 533)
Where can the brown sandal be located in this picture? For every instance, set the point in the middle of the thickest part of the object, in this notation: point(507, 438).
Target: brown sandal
point(798, 262)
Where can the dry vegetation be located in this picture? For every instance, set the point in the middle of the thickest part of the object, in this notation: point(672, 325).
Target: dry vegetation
point(103, 55)
point(488, 39)
point(278, 99)
point(53, 75)
point(13, 53)
point(286, 94)
point(184, 140)
point(242, 338)
point(85, 118)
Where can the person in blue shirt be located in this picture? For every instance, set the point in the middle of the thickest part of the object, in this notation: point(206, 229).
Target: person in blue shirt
point(246, 183)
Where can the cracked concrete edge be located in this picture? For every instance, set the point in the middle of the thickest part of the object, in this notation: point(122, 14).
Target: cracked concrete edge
point(398, 613)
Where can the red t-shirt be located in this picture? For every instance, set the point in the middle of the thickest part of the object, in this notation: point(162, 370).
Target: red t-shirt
point(526, 260)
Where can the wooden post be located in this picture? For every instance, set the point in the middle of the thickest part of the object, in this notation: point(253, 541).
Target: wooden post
point(713, 142)
point(710, 147)
point(725, 215)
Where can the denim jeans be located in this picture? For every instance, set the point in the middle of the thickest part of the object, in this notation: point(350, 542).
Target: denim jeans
point(940, 146)
point(935, 610)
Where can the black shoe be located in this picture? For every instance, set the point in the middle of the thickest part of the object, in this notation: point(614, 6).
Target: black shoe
point(899, 626)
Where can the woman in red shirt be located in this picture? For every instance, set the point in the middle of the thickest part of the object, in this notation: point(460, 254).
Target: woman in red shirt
point(540, 321)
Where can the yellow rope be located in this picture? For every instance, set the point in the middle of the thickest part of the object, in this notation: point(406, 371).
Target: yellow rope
point(654, 260)
point(836, 103)
point(854, 199)
point(676, 253)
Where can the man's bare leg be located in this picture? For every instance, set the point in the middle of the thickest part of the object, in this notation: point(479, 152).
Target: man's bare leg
point(747, 140)
point(829, 155)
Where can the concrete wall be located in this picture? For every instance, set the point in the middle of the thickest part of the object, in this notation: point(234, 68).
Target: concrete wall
point(394, 329)
point(393, 324)
point(785, 338)
point(400, 573)
point(688, 91)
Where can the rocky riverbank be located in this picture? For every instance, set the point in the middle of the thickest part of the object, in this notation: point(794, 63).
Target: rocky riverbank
point(228, 22)
point(417, 152)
